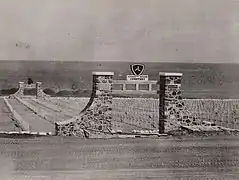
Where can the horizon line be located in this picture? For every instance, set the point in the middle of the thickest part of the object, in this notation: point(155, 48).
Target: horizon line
point(124, 61)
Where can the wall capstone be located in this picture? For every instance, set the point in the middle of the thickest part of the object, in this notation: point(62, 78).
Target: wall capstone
point(96, 117)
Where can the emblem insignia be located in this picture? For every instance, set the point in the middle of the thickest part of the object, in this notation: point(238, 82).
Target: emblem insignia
point(137, 69)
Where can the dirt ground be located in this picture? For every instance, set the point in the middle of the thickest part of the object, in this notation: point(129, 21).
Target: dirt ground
point(68, 158)
point(57, 158)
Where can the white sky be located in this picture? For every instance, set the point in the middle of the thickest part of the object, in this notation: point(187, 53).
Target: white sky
point(126, 30)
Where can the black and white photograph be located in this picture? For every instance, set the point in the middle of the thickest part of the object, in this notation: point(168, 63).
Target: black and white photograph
point(119, 89)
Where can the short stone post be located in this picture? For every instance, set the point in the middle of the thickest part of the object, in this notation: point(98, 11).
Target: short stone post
point(38, 90)
point(170, 101)
point(20, 91)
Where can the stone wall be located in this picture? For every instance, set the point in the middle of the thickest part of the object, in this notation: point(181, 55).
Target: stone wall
point(39, 91)
point(222, 112)
point(96, 117)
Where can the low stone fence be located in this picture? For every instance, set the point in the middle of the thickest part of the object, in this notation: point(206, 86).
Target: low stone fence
point(104, 114)
point(37, 87)
point(222, 112)
point(16, 117)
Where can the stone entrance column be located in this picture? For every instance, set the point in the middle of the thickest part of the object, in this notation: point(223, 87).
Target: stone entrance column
point(170, 101)
point(102, 100)
point(20, 91)
point(39, 93)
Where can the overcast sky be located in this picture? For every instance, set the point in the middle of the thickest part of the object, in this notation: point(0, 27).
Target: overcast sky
point(126, 30)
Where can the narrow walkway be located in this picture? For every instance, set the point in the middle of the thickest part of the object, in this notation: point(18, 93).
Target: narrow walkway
point(6, 123)
point(36, 123)
point(51, 116)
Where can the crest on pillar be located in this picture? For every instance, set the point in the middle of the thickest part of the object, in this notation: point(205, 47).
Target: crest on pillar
point(137, 69)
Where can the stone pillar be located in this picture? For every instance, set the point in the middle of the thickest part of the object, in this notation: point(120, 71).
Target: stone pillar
point(20, 91)
point(170, 101)
point(102, 104)
point(38, 90)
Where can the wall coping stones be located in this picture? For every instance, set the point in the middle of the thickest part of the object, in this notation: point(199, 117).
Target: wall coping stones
point(26, 133)
point(73, 119)
point(170, 74)
point(200, 128)
point(103, 73)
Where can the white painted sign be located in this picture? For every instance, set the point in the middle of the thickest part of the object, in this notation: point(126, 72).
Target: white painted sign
point(137, 77)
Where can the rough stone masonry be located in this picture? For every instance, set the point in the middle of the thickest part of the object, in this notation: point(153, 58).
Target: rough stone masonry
point(172, 110)
point(96, 117)
point(39, 91)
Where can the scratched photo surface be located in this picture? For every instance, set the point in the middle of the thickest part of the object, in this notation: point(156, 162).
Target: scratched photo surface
point(119, 90)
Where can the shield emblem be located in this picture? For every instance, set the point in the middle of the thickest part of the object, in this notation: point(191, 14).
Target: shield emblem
point(137, 69)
